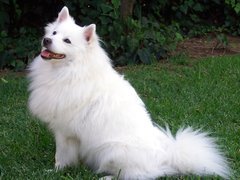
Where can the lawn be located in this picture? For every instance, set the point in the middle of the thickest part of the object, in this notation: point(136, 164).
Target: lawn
point(204, 94)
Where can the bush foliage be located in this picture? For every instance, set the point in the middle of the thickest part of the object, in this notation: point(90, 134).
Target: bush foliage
point(152, 31)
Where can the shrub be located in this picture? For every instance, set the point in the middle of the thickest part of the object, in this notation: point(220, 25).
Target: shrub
point(15, 52)
point(153, 30)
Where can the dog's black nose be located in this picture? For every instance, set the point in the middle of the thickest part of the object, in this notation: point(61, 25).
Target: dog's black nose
point(47, 41)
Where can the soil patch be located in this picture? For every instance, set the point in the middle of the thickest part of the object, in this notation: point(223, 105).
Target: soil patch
point(210, 45)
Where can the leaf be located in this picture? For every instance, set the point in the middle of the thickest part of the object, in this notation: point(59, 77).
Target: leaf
point(106, 8)
point(161, 39)
point(198, 7)
point(161, 54)
point(133, 44)
point(116, 4)
point(178, 37)
point(184, 9)
point(144, 55)
point(4, 80)
point(105, 20)
point(237, 8)
point(189, 3)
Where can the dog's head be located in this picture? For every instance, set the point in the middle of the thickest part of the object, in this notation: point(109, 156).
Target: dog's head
point(64, 40)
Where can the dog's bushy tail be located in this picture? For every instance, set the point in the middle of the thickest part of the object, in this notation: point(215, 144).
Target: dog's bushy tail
point(197, 153)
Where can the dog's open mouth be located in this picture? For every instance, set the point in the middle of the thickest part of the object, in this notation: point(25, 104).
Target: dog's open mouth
point(46, 54)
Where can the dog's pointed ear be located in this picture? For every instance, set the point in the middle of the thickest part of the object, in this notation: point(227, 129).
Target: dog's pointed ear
point(63, 14)
point(89, 32)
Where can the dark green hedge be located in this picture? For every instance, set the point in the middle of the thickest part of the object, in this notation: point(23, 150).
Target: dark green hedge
point(149, 34)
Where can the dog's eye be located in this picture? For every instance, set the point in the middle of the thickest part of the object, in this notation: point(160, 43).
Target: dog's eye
point(67, 41)
point(54, 32)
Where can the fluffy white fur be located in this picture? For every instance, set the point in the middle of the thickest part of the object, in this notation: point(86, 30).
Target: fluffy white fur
point(97, 117)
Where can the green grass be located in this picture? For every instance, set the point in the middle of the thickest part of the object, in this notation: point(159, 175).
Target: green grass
point(205, 94)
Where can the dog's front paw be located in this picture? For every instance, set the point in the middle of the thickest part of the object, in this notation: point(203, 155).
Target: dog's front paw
point(59, 166)
point(107, 178)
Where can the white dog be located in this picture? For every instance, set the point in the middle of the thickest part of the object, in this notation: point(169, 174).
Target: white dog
point(97, 117)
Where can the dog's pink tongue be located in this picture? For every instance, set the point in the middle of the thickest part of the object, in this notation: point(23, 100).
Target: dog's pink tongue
point(46, 54)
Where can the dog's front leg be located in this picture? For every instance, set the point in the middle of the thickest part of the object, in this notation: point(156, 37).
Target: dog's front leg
point(67, 151)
